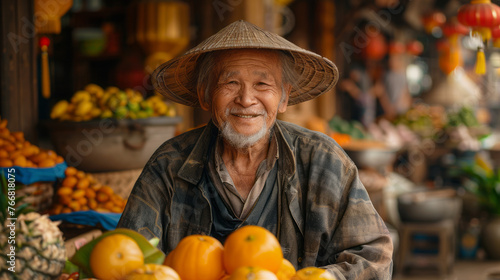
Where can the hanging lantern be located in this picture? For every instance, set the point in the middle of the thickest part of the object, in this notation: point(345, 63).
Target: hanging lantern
point(44, 43)
point(414, 47)
point(481, 16)
point(453, 29)
point(376, 47)
point(449, 60)
point(396, 47)
point(495, 35)
point(433, 20)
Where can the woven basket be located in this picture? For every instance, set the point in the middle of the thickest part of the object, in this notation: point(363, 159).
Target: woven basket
point(38, 195)
point(121, 182)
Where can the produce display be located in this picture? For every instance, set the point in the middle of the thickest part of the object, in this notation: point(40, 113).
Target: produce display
point(94, 102)
point(16, 151)
point(249, 253)
point(80, 191)
point(426, 121)
point(39, 246)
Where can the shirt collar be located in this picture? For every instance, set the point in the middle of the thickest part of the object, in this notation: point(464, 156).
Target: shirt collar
point(192, 169)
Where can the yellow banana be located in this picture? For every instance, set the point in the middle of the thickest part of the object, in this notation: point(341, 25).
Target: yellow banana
point(59, 109)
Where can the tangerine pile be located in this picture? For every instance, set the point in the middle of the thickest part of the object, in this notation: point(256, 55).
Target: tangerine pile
point(16, 151)
point(80, 191)
point(250, 252)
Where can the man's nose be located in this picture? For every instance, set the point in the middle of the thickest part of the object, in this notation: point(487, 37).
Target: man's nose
point(246, 96)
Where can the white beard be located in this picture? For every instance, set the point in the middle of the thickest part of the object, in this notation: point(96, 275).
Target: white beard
point(240, 141)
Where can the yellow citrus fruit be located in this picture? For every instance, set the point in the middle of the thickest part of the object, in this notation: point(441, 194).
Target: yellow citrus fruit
point(252, 246)
point(286, 270)
point(115, 256)
point(313, 273)
point(252, 273)
point(153, 272)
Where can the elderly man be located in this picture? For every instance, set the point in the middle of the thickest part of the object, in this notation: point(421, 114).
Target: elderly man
point(247, 167)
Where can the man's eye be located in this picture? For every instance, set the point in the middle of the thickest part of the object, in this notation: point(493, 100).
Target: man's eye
point(232, 82)
point(262, 84)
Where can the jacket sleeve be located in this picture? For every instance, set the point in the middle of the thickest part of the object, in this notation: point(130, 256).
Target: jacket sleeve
point(361, 246)
point(144, 211)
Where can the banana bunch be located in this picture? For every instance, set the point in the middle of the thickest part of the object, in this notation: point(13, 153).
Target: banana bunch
point(94, 102)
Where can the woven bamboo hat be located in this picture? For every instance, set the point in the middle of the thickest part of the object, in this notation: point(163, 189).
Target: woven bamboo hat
point(176, 79)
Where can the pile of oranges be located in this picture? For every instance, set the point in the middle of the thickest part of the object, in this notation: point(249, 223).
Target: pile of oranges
point(80, 191)
point(249, 253)
point(16, 151)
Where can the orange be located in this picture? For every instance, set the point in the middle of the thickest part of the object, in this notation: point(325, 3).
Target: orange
point(69, 182)
point(39, 157)
point(47, 163)
point(252, 246)
point(153, 271)
point(20, 161)
point(4, 162)
point(313, 273)
point(3, 153)
point(70, 171)
point(89, 193)
point(92, 203)
point(286, 271)
point(80, 174)
point(78, 194)
point(107, 190)
point(198, 257)
point(252, 273)
point(64, 191)
point(115, 256)
point(102, 197)
point(83, 183)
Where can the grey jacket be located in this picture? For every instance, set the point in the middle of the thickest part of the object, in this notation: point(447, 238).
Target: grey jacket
point(327, 218)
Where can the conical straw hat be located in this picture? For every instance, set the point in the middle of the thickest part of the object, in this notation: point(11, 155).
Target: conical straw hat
point(176, 79)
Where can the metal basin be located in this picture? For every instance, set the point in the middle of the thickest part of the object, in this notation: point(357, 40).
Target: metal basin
point(429, 206)
point(371, 155)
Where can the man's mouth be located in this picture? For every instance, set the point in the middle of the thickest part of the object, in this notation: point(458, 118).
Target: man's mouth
point(246, 116)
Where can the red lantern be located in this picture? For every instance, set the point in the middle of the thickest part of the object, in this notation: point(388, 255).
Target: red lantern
point(433, 20)
point(397, 47)
point(376, 47)
point(481, 15)
point(443, 45)
point(454, 28)
point(495, 35)
point(414, 47)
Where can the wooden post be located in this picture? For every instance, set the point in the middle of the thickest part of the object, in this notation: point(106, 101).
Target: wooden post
point(19, 92)
point(326, 47)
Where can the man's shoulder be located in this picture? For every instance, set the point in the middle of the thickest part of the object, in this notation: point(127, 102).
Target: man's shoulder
point(180, 146)
point(301, 139)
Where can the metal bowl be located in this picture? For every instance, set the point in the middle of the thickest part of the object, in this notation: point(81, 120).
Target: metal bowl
point(429, 205)
point(372, 157)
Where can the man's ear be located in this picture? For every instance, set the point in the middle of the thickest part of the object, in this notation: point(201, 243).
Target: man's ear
point(284, 102)
point(201, 99)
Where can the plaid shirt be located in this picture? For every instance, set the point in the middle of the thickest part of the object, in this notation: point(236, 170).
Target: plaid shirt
point(327, 218)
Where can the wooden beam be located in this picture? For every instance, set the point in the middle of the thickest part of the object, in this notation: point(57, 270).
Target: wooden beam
point(19, 92)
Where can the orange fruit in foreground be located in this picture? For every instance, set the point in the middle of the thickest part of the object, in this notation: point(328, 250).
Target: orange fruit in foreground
point(313, 273)
point(152, 271)
point(252, 246)
point(252, 273)
point(115, 256)
point(197, 257)
point(286, 271)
